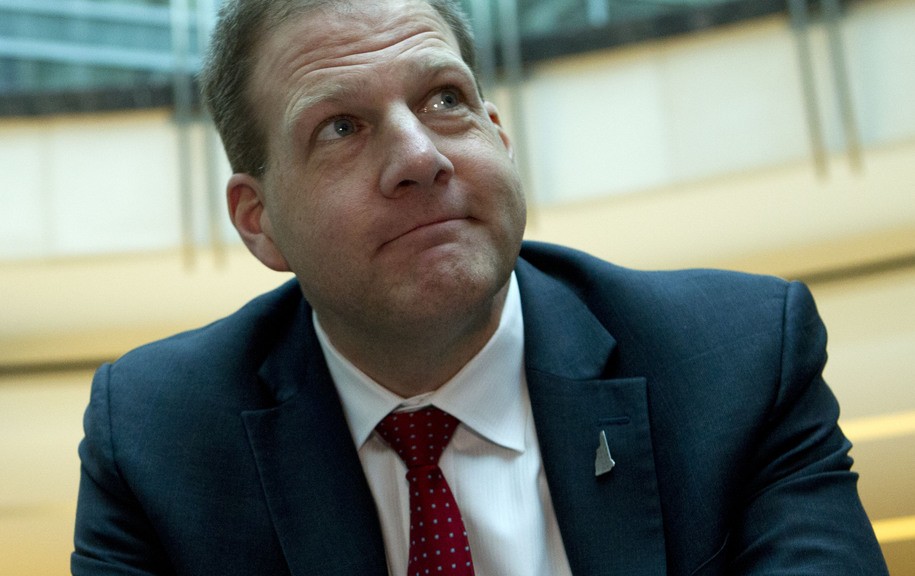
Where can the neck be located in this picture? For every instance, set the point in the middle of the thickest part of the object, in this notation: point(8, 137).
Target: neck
point(410, 361)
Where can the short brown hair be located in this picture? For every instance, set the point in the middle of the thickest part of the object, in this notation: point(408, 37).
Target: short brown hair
point(231, 59)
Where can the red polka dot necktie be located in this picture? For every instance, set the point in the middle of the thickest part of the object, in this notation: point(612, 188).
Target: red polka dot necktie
point(438, 541)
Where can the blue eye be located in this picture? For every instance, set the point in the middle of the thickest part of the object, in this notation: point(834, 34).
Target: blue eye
point(444, 100)
point(337, 128)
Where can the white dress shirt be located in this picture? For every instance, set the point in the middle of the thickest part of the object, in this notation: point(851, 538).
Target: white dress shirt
point(492, 464)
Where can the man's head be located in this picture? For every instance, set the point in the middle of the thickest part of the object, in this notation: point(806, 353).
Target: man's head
point(226, 76)
point(388, 185)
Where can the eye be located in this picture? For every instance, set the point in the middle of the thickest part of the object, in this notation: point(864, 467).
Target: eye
point(442, 100)
point(340, 127)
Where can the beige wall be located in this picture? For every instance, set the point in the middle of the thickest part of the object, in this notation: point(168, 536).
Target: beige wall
point(851, 233)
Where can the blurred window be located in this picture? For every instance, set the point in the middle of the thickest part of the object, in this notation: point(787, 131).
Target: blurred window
point(62, 56)
point(88, 55)
point(550, 28)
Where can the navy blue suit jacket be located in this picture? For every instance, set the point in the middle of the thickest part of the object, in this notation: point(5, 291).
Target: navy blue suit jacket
point(225, 451)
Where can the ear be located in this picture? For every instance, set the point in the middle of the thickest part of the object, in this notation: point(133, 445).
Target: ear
point(249, 215)
point(493, 113)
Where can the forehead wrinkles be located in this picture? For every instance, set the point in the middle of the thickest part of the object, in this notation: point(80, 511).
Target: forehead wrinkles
point(337, 35)
point(350, 83)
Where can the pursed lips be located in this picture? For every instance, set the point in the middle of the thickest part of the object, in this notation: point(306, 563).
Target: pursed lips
point(422, 226)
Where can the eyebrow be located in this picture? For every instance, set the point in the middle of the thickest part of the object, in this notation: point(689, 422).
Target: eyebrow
point(331, 91)
point(326, 92)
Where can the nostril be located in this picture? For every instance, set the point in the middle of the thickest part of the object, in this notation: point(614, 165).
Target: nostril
point(442, 176)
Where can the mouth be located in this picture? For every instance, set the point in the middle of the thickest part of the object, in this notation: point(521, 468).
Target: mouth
point(431, 231)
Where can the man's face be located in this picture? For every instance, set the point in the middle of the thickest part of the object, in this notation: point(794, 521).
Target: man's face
point(390, 190)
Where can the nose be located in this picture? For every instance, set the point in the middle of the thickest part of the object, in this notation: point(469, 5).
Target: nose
point(412, 159)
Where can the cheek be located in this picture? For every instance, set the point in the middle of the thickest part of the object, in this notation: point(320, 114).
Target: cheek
point(486, 152)
point(332, 231)
point(496, 175)
point(506, 196)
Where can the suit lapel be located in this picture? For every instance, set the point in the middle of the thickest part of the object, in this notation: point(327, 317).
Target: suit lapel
point(610, 524)
point(316, 491)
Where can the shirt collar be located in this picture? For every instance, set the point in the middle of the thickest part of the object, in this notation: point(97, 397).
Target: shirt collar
point(486, 395)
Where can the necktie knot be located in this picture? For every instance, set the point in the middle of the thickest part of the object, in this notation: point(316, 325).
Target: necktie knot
point(418, 437)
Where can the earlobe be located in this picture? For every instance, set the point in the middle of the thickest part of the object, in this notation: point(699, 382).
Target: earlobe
point(250, 218)
point(493, 113)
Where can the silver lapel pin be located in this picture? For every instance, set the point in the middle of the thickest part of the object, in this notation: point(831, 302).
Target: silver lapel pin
point(603, 462)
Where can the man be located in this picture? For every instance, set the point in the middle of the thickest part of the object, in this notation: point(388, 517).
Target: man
point(607, 421)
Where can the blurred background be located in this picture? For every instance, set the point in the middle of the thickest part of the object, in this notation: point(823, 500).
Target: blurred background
point(762, 135)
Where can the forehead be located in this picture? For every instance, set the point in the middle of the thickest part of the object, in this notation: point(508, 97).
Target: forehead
point(338, 37)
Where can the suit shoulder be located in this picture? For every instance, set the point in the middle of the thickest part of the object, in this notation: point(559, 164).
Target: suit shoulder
point(596, 279)
point(668, 311)
point(232, 344)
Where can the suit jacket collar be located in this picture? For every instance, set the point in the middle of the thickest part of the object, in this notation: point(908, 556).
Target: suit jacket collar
point(321, 505)
point(610, 524)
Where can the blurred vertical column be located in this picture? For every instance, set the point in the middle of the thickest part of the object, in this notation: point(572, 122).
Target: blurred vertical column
point(182, 88)
point(832, 18)
point(206, 17)
point(800, 24)
point(190, 33)
point(832, 15)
